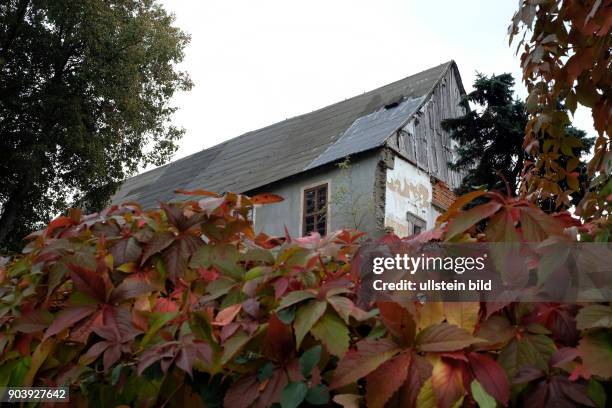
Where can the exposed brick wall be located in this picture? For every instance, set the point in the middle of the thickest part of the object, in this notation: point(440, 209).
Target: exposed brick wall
point(442, 196)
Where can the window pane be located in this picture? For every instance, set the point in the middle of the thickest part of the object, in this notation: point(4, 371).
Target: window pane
point(321, 227)
point(416, 230)
point(310, 201)
point(309, 224)
point(315, 210)
point(322, 199)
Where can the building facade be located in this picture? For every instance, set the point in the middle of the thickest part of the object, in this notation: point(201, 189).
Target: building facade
point(375, 162)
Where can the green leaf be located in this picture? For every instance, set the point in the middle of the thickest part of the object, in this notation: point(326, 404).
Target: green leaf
point(333, 333)
point(531, 349)
point(233, 345)
point(255, 272)
point(296, 297)
point(265, 372)
point(309, 360)
point(306, 317)
point(293, 395)
point(157, 321)
point(596, 353)
point(318, 395)
point(594, 316)
point(482, 398)
point(286, 315)
point(257, 255)
point(597, 393)
point(426, 397)
point(116, 373)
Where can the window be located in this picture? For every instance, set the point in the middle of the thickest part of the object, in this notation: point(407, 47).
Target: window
point(315, 210)
point(416, 224)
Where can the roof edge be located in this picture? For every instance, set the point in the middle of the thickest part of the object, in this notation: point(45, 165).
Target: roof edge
point(450, 64)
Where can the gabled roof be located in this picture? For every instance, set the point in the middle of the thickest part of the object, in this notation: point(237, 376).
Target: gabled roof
point(287, 148)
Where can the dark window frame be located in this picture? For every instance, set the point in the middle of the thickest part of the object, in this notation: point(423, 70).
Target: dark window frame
point(417, 224)
point(317, 211)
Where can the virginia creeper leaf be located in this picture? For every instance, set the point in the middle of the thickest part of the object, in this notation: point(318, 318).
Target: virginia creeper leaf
point(359, 362)
point(383, 382)
point(482, 398)
point(444, 337)
point(334, 334)
point(306, 317)
point(594, 316)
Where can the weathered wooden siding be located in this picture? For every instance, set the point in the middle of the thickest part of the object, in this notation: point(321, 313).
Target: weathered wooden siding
point(422, 140)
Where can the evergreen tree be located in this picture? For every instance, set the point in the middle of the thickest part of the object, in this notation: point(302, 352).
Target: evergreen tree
point(490, 137)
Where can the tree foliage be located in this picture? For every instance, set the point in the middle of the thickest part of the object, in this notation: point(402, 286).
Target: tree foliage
point(184, 305)
point(84, 100)
point(490, 138)
point(566, 59)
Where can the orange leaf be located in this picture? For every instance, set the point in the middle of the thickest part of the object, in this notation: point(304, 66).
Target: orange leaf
point(225, 316)
point(197, 192)
point(266, 198)
point(59, 222)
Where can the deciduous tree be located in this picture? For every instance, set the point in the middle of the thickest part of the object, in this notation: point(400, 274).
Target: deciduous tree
point(84, 101)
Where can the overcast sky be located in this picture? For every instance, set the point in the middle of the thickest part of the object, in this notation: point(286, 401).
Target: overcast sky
point(257, 62)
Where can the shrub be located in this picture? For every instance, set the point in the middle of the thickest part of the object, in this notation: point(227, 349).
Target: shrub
point(186, 306)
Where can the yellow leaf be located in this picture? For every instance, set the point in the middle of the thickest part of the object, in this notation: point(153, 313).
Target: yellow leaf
point(430, 313)
point(462, 314)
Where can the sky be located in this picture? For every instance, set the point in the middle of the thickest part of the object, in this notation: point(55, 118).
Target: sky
point(258, 62)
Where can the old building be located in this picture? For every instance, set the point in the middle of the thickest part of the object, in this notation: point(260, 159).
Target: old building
point(375, 161)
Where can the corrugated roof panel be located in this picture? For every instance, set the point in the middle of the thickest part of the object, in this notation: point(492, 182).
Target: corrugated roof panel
point(369, 131)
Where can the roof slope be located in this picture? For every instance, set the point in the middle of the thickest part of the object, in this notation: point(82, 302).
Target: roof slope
point(304, 142)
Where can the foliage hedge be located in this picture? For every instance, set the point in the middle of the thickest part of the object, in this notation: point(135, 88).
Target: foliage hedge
point(186, 306)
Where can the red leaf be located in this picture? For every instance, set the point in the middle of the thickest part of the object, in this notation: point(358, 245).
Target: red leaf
point(536, 225)
point(466, 219)
point(491, 375)
point(125, 250)
point(129, 289)
point(268, 242)
point(398, 320)
point(176, 256)
point(383, 382)
point(67, 318)
point(59, 222)
point(273, 389)
point(242, 393)
point(447, 382)
point(88, 282)
point(444, 337)
point(419, 371)
point(358, 363)
point(156, 245)
point(563, 355)
point(266, 198)
point(278, 343)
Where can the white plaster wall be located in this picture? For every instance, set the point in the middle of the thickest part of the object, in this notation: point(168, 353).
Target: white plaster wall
point(408, 190)
point(273, 218)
